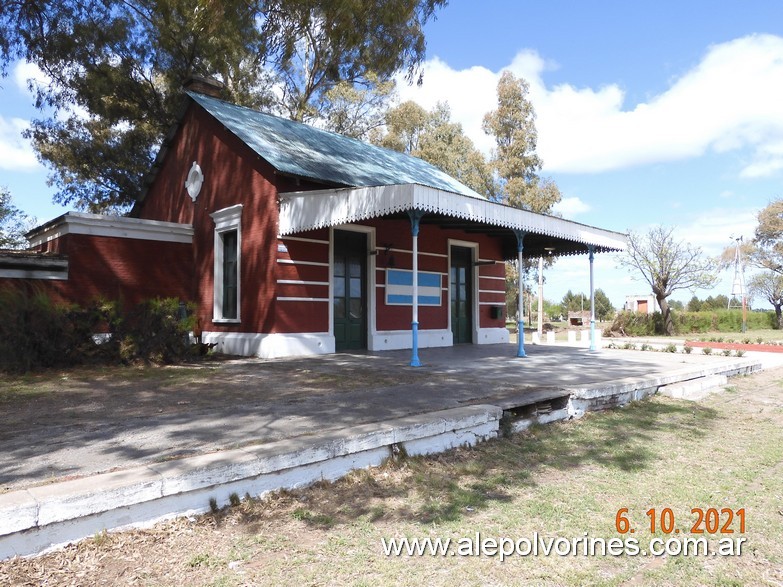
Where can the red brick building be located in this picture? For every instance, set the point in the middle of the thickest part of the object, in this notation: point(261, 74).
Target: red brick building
point(291, 240)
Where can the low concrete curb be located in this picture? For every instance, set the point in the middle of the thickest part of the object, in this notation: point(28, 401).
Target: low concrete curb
point(43, 517)
point(694, 389)
point(623, 391)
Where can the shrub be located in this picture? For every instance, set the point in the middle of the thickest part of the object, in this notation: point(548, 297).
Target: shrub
point(635, 324)
point(154, 331)
point(670, 348)
point(687, 349)
point(726, 352)
point(706, 350)
point(740, 353)
point(37, 334)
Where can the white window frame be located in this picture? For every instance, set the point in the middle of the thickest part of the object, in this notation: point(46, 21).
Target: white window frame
point(226, 220)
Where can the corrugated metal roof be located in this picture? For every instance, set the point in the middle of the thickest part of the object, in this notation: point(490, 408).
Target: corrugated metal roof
point(301, 150)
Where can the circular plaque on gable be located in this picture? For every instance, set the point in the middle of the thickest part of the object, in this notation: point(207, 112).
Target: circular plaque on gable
point(194, 181)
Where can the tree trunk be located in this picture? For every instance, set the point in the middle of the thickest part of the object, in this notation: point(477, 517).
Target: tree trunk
point(779, 316)
point(668, 324)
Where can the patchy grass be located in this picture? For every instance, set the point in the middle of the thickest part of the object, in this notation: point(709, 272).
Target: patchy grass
point(562, 480)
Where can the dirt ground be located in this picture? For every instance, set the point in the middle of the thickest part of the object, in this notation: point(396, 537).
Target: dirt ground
point(327, 534)
point(85, 395)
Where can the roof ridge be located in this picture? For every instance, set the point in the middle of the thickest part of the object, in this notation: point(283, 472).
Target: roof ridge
point(303, 150)
point(305, 124)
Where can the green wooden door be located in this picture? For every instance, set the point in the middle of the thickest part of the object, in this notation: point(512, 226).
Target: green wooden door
point(461, 288)
point(349, 298)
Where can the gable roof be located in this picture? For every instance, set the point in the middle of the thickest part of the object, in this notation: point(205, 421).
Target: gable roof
point(304, 151)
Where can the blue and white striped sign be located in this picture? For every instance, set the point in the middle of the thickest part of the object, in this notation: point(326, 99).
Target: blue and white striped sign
point(399, 288)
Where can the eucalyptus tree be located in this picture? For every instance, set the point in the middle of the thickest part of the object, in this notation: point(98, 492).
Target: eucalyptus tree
point(114, 70)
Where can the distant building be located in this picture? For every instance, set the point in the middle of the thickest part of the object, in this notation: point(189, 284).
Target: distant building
point(643, 304)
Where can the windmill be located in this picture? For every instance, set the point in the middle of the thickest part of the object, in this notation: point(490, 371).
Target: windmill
point(738, 298)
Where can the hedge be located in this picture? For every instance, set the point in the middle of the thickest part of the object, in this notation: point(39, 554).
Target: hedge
point(636, 324)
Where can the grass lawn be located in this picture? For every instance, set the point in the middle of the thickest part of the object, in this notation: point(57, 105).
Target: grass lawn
point(562, 480)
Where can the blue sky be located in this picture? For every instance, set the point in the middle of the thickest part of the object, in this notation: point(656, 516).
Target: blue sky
point(648, 113)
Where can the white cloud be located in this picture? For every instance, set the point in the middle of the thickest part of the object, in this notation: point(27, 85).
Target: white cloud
point(26, 72)
point(570, 207)
point(730, 100)
point(28, 77)
point(16, 154)
point(713, 230)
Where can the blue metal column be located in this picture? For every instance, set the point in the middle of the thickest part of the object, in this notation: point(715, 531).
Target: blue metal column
point(591, 248)
point(520, 313)
point(415, 216)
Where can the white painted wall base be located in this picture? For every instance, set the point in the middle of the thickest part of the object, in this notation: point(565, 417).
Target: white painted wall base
point(492, 336)
point(694, 389)
point(392, 340)
point(553, 416)
point(271, 346)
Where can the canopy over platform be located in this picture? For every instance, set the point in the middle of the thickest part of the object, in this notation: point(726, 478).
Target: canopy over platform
point(543, 235)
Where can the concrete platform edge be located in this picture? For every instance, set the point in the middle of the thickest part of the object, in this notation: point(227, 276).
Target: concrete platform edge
point(40, 518)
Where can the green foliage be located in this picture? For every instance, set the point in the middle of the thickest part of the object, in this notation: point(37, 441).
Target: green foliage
point(719, 302)
point(769, 286)
point(357, 111)
point(687, 349)
point(154, 331)
point(552, 310)
point(13, 223)
point(635, 324)
point(433, 136)
point(123, 64)
point(706, 350)
point(512, 125)
point(766, 250)
point(670, 348)
point(694, 305)
point(677, 305)
point(603, 307)
point(578, 302)
point(36, 333)
point(572, 302)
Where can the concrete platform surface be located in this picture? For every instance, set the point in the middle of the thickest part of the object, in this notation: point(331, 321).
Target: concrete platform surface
point(450, 378)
